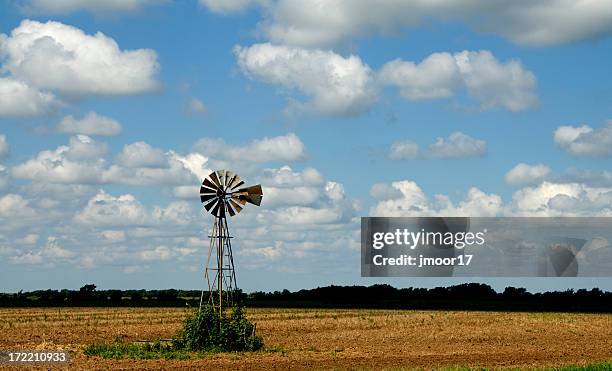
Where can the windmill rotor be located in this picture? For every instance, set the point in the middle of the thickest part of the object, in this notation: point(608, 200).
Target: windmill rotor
point(220, 193)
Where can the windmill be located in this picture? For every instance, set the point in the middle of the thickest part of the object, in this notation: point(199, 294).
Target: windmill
point(222, 193)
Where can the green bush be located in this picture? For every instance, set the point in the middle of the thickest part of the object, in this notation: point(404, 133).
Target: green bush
point(205, 330)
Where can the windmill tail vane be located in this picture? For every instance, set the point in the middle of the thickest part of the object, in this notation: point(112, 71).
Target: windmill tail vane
point(223, 192)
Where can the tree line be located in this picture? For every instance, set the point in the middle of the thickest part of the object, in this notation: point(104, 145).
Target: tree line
point(469, 296)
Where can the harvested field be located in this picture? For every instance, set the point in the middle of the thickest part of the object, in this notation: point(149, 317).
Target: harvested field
point(340, 339)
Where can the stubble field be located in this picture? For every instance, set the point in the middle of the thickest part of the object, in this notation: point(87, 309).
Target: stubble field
point(322, 339)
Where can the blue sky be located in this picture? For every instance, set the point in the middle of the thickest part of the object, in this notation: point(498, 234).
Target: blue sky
point(340, 111)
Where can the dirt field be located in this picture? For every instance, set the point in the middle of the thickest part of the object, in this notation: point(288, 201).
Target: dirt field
point(323, 339)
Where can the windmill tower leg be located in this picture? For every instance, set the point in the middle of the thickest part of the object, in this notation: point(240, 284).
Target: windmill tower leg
point(232, 284)
point(209, 269)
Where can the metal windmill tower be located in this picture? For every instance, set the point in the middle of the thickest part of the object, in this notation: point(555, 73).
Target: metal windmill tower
point(222, 193)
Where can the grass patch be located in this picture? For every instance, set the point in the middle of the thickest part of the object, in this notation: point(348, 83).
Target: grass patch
point(120, 349)
point(604, 366)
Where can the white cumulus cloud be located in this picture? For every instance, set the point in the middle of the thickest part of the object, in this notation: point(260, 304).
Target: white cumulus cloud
point(545, 199)
point(90, 124)
point(404, 150)
point(15, 206)
point(62, 58)
point(494, 84)
point(141, 154)
point(561, 199)
point(525, 174)
point(335, 85)
point(178, 170)
point(106, 210)
point(384, 191)
point(286, 177)
point(28, 258)
point(4, 147)
point(82, 161)
point(592, 178)
point(229, 6)
point(533, 23)
point(19, 99)
point(78, 162)
point(437, 76)
point(275, 196)
point(456, 145)
point(285, 187)
point(414, 202)
point(158, 253)
point(440, 75)
point(585, 140)
point(57, 7)
point(186, 192)
point(281, 148)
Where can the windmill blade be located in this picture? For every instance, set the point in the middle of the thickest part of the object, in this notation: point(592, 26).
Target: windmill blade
point(229, 208)
point(221, 176)
point(215, 210)
point(240, 182)
point(205, 198)
point(228, 177)
point(236, 206)
point(209, 205)
point(231, 180)
point(252, 190)
point(206, 190)
point(215, 179)
point(209, 184)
